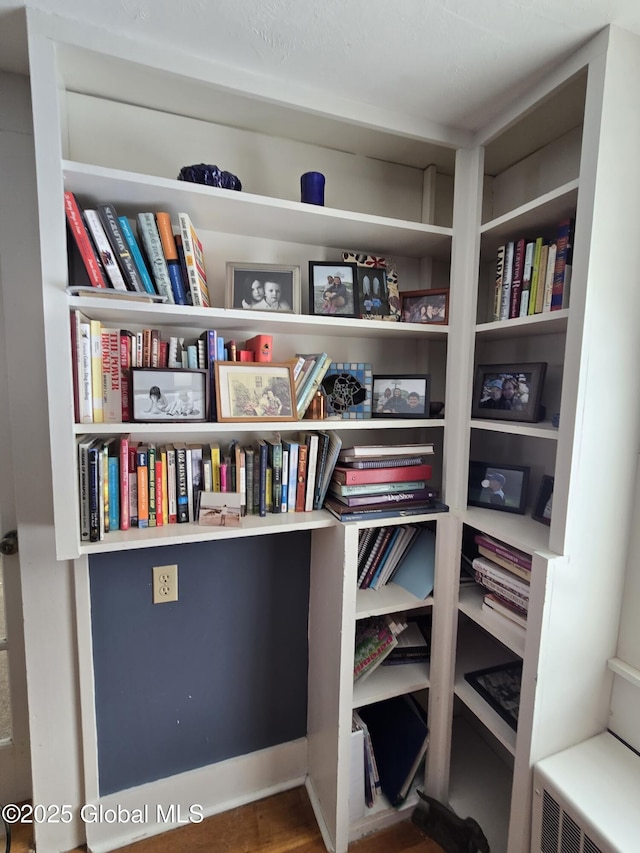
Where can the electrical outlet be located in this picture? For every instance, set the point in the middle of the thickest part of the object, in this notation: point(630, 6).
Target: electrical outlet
point(165, 584)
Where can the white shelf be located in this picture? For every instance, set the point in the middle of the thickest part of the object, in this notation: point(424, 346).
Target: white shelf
point(390, 598)
point(404, 519)
point(388, 681)
point(549, 323)
point(535, 217)
point(134, 312)
point(383, 814)
point(206, 428)
point(539, 430)
point(172, 534)
point(477, 650)
point(510, 634)
point(521, 531)
point(231, 212)
point(480, 784)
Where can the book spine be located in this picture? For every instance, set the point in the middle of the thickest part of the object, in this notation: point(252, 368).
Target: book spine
point(357, 476)
point(301, 486)
point(396, 498)
point(114, 492)
point(525, 574)
point(505, 303)
point(293, 476)
point(82, 240)
point(124, 483)
point(392, 512)
point(151, 465)
point(136, 254)
point(150, 237)
point(163, 221)
point(562, 241)
point(125, 374)
point(109, 218)
point(376, 488)
point(183, 269)
point(542, 273)
point(284, 505)
point(194, 262)
point(96, 371)
point(312, 464)
point(262, 495)
point(518, 557)
point(103, 248)
point(527, 272)
point(548, 283)
point(83, 478)
point(510, 594)
point(160, 489)
point(142, 476)
point(172, 505)
point(516, 279)
point(497, 301)
point(182, 495)
point(85, 393)
point(133, 487)
point(377, 558)
point(500, 575)
point(535, 277)
point(315, 377)
point(94, 493)
point(323, 450)
point(111, 377)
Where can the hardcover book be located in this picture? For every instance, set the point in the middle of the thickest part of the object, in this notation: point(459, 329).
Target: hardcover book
point(82, 241)
point(109, 218)
point(136, 254)
point(103, 248)
point(194, 261)
point(163, 221)
point(355, 476)
point(148, 231)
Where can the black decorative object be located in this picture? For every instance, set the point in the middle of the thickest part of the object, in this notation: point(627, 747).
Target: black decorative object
point(211, 176)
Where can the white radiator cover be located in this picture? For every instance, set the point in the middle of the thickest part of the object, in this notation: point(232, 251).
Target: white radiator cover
point(586, 799)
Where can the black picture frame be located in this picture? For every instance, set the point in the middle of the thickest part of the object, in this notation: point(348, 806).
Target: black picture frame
point(499, 686)
point(373, 293)
point(403, 404)
point(323, 299)
point(247, 287)
point(169, 395)
point(524, 382)
point(542, 508)
point(513, 482)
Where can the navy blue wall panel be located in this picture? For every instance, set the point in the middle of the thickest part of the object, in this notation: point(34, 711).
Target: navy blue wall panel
point(221, 672)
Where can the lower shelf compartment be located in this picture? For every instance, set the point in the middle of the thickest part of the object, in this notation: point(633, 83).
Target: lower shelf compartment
point(383, 814)
point(480, 782)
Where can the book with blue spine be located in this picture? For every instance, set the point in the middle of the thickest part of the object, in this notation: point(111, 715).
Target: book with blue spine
point(163, 221)
point(136, 254)
point(292, 480)
point(150, 237)
point(114, 484)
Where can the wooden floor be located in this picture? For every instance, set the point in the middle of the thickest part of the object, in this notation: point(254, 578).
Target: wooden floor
point(283, 823)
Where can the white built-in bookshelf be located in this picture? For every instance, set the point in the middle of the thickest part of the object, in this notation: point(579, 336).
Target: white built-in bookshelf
point(412, 191)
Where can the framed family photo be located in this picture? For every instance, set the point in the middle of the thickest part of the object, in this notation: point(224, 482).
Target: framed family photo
point(425, 306)
point(169, 394)
point(263, 287)
point(508, 392)
point(499, 486)
point(255, 391)
point(401, 396)
point(333, 289)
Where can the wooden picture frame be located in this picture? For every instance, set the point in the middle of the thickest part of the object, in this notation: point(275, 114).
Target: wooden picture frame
point(263, 287)
point(498, 486)
point(405, 395)
point(542, 508)
point(169, 395)
point(333, 289)
point(425, 306)
point(254, 392)
point(523, 382)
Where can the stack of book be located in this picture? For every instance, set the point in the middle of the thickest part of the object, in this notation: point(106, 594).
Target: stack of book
point(404, 555)
point(506, 573)
point(376, 481)
point(375, 639)
point(414, 643)
point(105, 252)
point(311, 371)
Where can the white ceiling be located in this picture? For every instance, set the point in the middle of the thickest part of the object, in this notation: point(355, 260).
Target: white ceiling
point(455, 62)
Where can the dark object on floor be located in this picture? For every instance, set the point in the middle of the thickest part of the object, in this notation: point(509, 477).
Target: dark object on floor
point(451, 832)
point(211, 176)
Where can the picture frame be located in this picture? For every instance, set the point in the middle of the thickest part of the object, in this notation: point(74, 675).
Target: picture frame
point(542, 508)
point(169, 395)
point(405, 395)
point(331, 298)
point(522, 382)
point(425, 306)
point(263, 287)
point(347, 386)
point(500, 687)
point(393, 293)
point(373, 293)
point(254, 392)
point(498, 486)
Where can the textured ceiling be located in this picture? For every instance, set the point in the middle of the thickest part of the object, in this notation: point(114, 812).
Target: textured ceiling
point(453, 61)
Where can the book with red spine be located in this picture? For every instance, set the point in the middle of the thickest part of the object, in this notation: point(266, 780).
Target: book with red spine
point(82, 241)
point(521, 558)
point(133, 486)
point(160, 491)
point(125, 373)
point(352, 476)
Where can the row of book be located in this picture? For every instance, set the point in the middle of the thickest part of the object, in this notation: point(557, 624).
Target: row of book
point(533, 275)
point(143, 256)
point(371, 481)
point(390, 640)
point(403, 554)
point(389, 745)
point(127, 484)
point(505, 572)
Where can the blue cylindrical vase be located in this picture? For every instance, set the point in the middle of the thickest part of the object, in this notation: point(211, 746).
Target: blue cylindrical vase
point(312, 188)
